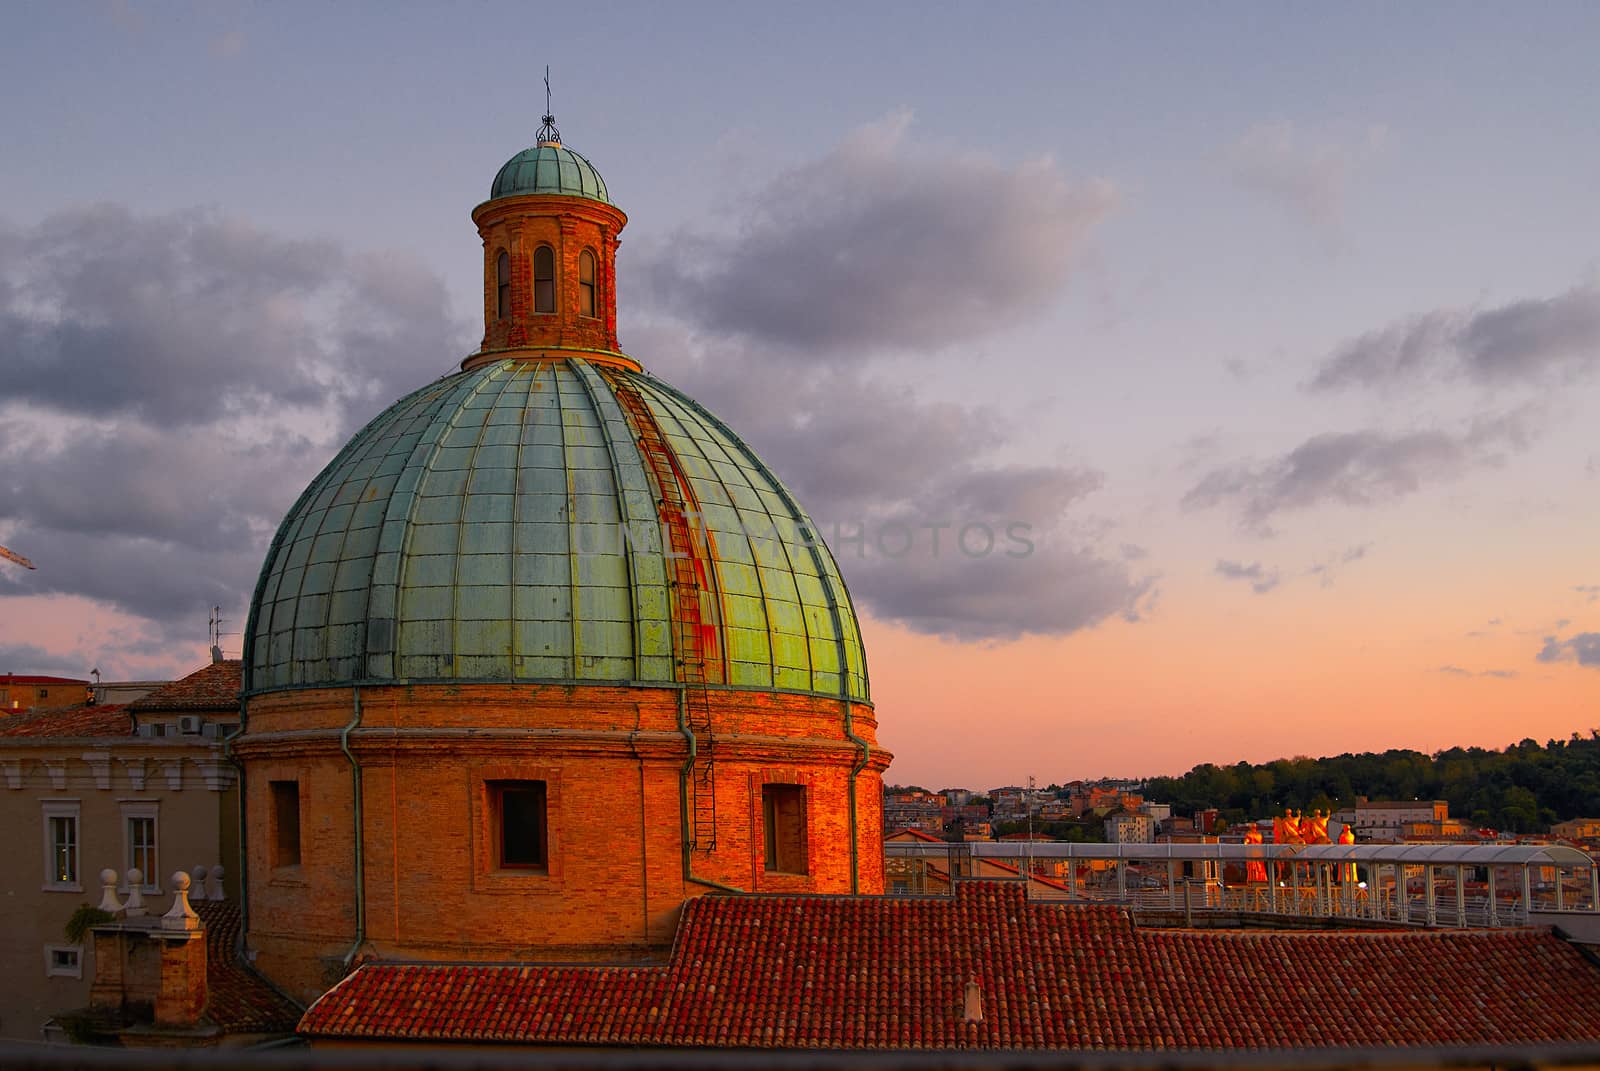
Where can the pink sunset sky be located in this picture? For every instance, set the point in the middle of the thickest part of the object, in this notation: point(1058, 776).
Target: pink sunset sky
point(1279, 338)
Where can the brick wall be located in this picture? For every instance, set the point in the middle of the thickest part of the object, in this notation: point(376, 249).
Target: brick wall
point(569, 225)
point(611, 758)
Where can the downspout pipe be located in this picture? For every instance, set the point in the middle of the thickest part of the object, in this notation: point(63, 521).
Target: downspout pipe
point(244, 849)
point(855, 772)
point(361, 872)
point(684, 774)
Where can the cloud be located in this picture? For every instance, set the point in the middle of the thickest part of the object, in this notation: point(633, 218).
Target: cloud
point(880, 243)
point(877, 246)
point(1499, 674)
point(1590, 592)
point(1327, 571)
point(1305, 172)
point(1360, 468)
point(1261, 580)
point(1521, 340)
point(875, 465)
point(169, 384)
point(26, 658)
point(186, 320)
point(1582, 648)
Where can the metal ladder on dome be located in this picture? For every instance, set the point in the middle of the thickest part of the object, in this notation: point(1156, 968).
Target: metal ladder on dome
point(688, 584)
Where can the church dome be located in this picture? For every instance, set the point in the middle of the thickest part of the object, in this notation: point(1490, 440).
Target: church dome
point(566, 520)
point(549, 167)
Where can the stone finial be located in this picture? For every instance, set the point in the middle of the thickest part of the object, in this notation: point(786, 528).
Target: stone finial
point(108, 894)
point(198, 884)
point(214, 884)
point(135, 906)
point(180, 916)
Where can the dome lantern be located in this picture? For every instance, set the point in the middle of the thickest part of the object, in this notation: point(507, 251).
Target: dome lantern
point(549, 234)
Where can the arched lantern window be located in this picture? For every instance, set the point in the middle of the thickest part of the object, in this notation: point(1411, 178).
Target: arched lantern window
point(586, 288)
point(502, 272)
point(544, 279)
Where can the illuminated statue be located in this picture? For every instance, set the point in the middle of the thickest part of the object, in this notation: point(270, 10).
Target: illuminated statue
point(1314, 828)
point(1287, 830)
point(1347, 872)
point(1255, 869)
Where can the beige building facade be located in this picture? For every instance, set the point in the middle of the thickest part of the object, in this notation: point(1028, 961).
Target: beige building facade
point(80, 792)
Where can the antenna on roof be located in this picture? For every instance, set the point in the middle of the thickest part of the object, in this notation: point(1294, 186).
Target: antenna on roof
point(214, 628)
point(548, 134)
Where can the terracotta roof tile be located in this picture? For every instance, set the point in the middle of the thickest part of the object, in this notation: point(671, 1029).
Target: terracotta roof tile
point(917, 834)
point(214, 687)
point(238, 1000)
point(70, 722)
point(880, 972)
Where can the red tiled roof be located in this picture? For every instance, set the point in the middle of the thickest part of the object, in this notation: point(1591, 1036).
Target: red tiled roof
point(70, 722)
point(915, 833)
point(881, 972)
point(238, 1000)
point(214, 687)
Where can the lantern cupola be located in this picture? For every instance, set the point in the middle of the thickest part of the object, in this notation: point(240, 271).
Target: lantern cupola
point(549, 234)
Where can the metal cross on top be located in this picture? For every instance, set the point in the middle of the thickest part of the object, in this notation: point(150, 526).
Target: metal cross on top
point(548, 134)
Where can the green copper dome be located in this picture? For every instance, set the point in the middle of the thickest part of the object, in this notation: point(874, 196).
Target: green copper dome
point(549, 167)
point(557, 521)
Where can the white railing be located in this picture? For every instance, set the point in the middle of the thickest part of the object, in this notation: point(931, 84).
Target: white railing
point(1190, 879)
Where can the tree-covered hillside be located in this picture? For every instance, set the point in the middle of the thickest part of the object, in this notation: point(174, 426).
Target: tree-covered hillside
point(1524, 788)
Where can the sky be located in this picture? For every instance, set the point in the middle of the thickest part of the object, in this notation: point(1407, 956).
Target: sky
point(1173, 385)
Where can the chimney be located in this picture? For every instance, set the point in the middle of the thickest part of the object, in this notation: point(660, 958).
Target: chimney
point(972, 1005)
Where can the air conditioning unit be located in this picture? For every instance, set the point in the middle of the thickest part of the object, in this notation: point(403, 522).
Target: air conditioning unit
point(189, 724)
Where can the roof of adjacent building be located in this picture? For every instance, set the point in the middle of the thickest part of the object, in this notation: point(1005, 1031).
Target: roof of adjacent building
point(213, 687)
point(70, 722)
point(237, 999)
point(506, 523)
point(24, 678)
point(881, 972)
point(549, 168)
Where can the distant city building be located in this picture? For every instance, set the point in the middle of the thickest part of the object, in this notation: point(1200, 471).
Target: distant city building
point(1130, 829)
point(19, 691)
point(1577, 829)
point(913, 809)
point(1388, 820)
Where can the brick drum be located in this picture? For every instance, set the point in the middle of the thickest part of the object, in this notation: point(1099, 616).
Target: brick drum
point(613, 759)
